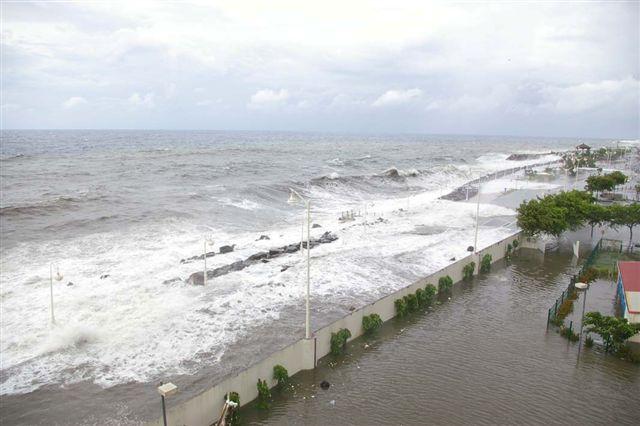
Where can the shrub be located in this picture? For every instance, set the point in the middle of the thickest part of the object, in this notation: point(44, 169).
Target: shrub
point(264, 394)
point(445, 284)
point(280, 374)
point(429, 294)
point(569, 334)
point(421, 297)
point(515, 244)
point(588, 276)
point(485, 263)
point(371, 322)
point(233, 416)
point(412, 302)
point(556, 321)
point(401, 307)
point(614, 331)
point(468, 270)
point(565, 308)
point(588, 342)
point(339, 341)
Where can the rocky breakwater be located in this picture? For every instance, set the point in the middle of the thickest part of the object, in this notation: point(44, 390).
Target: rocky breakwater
point(197, 278)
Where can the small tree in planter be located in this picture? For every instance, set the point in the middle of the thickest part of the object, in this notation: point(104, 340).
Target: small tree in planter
point(264, 394)
point(515, 244)
point(467, 271)
point(339, 341)
point(280, 374)
point(401, 307)
point(371, 323)
point(485, 263)
point(429, 294)
point(445, 284)
point(233, 416)
point(412, 302)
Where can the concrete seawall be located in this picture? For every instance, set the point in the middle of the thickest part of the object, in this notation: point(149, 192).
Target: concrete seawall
point(204, 409)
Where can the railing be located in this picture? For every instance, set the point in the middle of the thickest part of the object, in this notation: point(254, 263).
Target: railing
point(570, 291)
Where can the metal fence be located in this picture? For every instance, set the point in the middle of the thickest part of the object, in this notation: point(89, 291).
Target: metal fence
point(569, 292)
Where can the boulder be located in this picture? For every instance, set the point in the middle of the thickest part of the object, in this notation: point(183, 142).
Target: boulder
point(227, 249)
point(258, 256)
point(316, 225)
point(263, 237)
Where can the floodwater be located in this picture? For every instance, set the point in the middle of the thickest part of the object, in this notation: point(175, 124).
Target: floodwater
point(484, 357)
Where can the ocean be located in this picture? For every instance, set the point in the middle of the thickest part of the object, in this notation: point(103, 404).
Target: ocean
point(115, 212)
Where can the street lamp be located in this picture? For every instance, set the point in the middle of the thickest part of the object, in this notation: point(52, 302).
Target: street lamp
point(208, 240)
point(583, 287)
point(295, 198)
point(165, 390)
point(475, 241)
point(58, 277)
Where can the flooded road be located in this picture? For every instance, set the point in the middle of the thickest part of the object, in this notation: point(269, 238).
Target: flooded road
point(483, 357)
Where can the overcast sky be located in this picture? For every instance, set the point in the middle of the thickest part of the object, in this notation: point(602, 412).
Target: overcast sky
point(547, 69)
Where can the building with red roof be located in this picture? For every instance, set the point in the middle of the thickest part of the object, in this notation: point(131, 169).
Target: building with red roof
point(628, 293)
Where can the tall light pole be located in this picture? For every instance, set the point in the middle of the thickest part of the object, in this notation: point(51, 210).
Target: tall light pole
point(166, 390)
point(583, 287)
point(475, 241)
point(58, 277)
point(294, 198)
point(207, 240)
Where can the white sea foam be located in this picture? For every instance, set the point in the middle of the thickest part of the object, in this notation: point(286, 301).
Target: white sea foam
point(129, 326)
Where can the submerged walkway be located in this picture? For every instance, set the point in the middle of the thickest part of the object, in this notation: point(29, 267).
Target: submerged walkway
point(483, 357)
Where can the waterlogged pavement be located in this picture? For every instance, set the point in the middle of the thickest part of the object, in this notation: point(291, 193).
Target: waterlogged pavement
point(484, 357)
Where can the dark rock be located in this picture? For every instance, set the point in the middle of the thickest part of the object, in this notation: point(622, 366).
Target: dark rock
point(236, 266)
point(453, 259)
point(316, 225)
point(102, 277)
point(172, 280)
point(69, 284)
point(292, 248)
point(470, 248)
point(227, 249)
point(263, 237)
point(325, 385)
point(258, 256)
point(200, 257)
point(275, 252)
point(352, 308)
point(284, 268)
point(197, 278)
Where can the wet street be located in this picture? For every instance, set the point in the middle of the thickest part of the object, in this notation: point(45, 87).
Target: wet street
point(482, 357)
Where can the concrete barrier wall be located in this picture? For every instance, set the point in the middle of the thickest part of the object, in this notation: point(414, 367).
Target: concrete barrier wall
point(204, 409)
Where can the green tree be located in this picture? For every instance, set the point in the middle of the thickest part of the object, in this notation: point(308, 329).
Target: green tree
point(597, 215)
point(621, 215)
point(600, 183)
point(538, 216)
point(614, 331)
point(618, 177)
point(576, 205)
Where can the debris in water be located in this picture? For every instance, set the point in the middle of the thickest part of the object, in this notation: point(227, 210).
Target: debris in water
point(324, 384)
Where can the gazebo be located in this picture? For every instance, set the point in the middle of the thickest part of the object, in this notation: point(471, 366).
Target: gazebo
point(583, 148)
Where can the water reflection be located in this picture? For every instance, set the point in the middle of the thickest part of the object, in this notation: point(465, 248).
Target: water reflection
point(484, 357)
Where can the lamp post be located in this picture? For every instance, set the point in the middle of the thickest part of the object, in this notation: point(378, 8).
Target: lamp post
point(583, 287)
point(475, 241)
point(294, 198)
point(207, 240)
point(58, 277)
point(165, 390)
